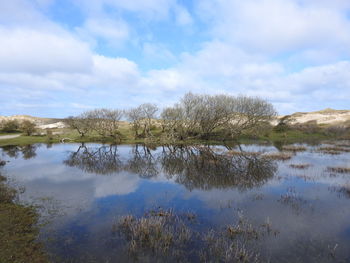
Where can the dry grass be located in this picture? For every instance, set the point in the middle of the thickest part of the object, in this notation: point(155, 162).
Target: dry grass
point(293, 199)
point(165, 236)
point(300, 166)
point(341, 170)
point(334, 148)
point(345, 190)
point(158, 231)
point(294, 148)
point(233, 152)
point(280, 156)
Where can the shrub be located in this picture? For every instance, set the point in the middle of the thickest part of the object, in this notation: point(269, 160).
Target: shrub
point(283, 124)
point(28, 127)
point(10, 126)
point(337, 130)
point(49, 134)
point(307, 127)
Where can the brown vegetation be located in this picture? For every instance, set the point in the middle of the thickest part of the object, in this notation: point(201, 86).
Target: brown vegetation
point(341, 170)
point(282, 156)
point(167, 236)
point(294, 148)
point(300, 166)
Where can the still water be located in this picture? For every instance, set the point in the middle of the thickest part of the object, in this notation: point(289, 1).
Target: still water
point(83, 191)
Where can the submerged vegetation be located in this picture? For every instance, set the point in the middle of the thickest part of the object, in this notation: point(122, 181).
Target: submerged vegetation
point(300, 166)
point(342, 170)
point(166, 235)
point(282, 156)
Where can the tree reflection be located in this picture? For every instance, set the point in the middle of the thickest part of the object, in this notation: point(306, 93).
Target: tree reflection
point(203, 168)
point(142, 162)
point(194, 167)
point(102, 160)
point(14, 151)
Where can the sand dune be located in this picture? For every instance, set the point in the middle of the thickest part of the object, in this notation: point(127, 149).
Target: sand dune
point(323, 117)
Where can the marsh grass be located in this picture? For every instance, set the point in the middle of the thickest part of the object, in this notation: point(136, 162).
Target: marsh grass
point(167, 236)
point(280, 156)
point(342, 190)
point(345, 190)
point(294, 148)
point(341, 170)
point(333, 150)
point(300, 166)
point(293, 199)
point(239, 153)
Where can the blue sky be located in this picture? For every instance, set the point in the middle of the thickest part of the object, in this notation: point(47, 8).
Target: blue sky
point(61, 57)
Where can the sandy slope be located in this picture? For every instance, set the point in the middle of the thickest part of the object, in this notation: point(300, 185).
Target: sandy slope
point(325, 117)
point(42, 123)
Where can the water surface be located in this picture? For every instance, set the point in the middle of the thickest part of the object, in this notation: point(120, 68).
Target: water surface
point(83, 190)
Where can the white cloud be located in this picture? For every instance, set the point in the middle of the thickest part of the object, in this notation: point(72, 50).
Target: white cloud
point(32, 51)
point(19, 12)
point(294, 53)
point(114, 31)
point(275, 26)
point(183, 17)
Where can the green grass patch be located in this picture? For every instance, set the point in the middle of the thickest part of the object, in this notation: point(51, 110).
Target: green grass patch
point(127, 137)
point(18, 229)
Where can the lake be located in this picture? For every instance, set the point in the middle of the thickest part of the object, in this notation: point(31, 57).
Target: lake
point(198, 203)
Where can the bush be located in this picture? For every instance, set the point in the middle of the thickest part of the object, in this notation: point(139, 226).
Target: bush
point(10, 126)
point(308, 127)
point(338, 130)
point(283, 124)
point(28, 127)
point(49, 134)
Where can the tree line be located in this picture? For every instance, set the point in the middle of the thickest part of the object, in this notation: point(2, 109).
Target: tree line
point(194, 116)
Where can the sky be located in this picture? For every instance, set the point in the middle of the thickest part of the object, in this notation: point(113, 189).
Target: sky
point(61, 57)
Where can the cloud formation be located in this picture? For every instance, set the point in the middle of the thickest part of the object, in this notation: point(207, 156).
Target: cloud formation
point(57, 59)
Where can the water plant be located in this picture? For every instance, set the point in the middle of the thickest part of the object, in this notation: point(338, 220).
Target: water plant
point(294, 148)
point(280, 156)
point(300, 166)
point(166, 235)
point(341, 170)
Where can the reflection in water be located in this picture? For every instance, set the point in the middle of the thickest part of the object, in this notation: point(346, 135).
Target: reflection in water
point(102, 160)
point(13, 151)
point(204, 168)
point(142, 162)
point(194, 167)
point(307, 207)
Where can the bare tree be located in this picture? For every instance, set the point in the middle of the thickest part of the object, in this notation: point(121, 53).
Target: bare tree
point(149, 113)
point(82, 123)
point(172, 122)
point(201, 115)
point(106, 122)
point(135, 116)
point(248, 113)
point(28, 127)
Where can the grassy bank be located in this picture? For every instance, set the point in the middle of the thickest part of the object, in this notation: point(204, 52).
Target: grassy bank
point(18, 230)
point(126, 137)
